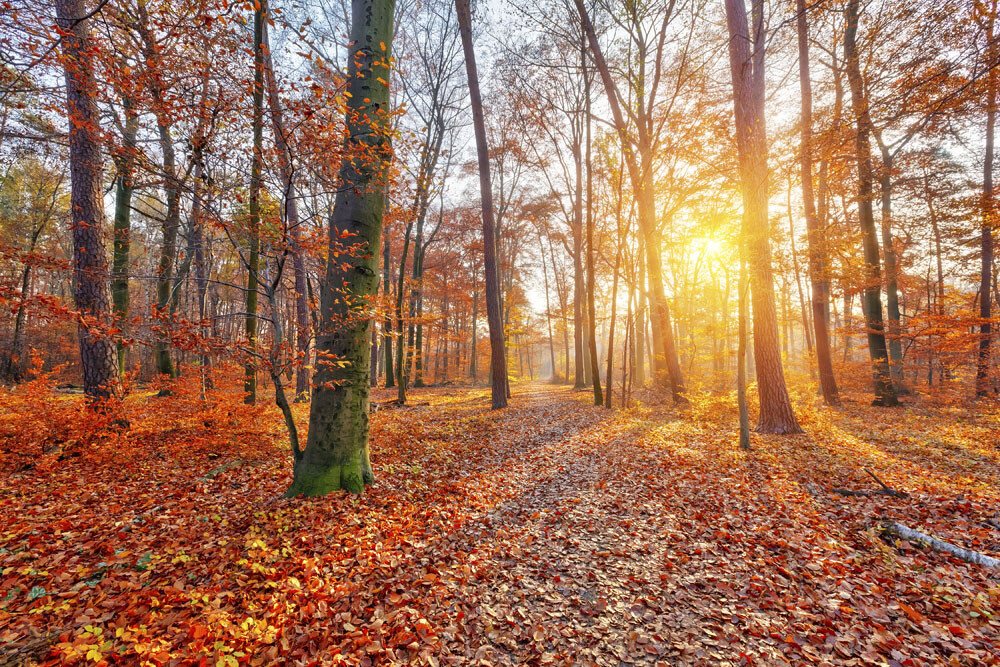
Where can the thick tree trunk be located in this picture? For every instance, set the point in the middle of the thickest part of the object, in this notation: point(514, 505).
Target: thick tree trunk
point(746, 67)
point(885, 394)
point(336, 456)
point(498, 361)
point(988, 216)
point(91, 293)
point(817, 241)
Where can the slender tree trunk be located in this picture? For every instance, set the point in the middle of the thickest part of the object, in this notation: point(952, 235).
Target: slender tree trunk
point(741, 354)
point(475, 333)
point(989, 215)
point(548, 305)
point(402, 377)
point(91, 293)
point(579, 288)
point(595, 362)
point(336, 456)
point(390, 377)
point(639, 327)
point(746, 66)
point(816, 238)
point(498, 365)
point(609, 377)
point(885, 394)
point(641, 175)
point(253, 224)
point(171, 190)
point(891, 274)
point(124, 187)
point(293, 225)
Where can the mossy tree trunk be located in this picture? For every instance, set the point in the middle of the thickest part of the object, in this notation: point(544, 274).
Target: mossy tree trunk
point(336, 454)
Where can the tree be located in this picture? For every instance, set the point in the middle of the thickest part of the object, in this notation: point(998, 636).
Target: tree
point(885, 393)
point(746, 64)
point(817, 255)
point(336, 454)
point(639, 152)
point(988, 206)
point(291, 215)
point(498, 360)
point(91, 280)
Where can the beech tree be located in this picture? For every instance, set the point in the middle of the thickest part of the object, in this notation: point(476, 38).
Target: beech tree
point(498, 358)
point(885, 393)
point(336, 454)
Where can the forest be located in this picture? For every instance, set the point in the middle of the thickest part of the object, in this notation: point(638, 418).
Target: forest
point(518, 332)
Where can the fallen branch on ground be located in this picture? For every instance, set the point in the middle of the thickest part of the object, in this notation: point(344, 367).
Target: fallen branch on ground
point(967, 555)
point(884, 491)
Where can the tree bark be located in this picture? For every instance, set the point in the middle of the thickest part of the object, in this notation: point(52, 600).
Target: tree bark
point(746, 67)
point(390, 377)
point(498, 364)
point(91, 293)
point(336, 455)
point(124, 187)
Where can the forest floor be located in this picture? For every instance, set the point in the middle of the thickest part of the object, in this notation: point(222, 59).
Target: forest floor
point(551, 532)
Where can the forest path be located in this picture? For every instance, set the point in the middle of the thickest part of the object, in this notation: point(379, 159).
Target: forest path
point(579, 564)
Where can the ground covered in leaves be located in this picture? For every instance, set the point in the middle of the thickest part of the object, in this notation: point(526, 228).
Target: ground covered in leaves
point(552, 532)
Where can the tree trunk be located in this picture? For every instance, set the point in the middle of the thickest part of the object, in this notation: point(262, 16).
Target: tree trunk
point(641, 175)
point(741, 354)
point(816, 238)
point(579, 288)
point(988, 216)
point(124, 187)
point(885, 394)
point(253, 231)
point(91, 293)
point(498, 363)
point(891, 273)
point(595, 362)
point(390, 377)
point(292, 224)
point(746, 67)
point(336, 456)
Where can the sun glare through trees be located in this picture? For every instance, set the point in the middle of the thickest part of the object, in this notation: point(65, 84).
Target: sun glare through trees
point(520, 332)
